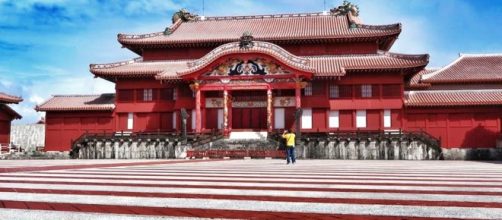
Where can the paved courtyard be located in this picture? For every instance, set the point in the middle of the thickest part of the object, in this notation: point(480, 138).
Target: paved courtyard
point(261, 189)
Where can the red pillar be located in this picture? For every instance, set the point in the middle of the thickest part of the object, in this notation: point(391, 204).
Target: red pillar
point(226, 130)
point(198, 115)
point(298, 94)
point(269, 110)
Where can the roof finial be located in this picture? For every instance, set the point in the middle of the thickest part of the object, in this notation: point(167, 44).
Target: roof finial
point(183, 15)
point(345, 8)
point(246, 40)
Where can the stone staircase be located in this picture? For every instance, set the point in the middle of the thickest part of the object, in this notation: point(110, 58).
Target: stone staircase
point(242, 144)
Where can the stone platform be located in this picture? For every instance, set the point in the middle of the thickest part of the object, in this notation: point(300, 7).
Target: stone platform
point(243, 189)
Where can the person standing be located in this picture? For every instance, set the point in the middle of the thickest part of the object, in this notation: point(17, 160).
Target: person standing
point(290, 146)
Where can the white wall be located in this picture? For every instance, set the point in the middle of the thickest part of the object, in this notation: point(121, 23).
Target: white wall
point(387, 118)
point(307, 118)
point(361, 119)
point(220, 118)
point(130, 121)
point(334, 119)
point(279, 119)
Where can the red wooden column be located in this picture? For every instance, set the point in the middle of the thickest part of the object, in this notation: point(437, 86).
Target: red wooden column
point(269, 109)
point(226, 130)
point(198, 115)
point(298, 94)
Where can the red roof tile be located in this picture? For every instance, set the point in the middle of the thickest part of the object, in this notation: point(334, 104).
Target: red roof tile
point(6, 98)
point(338, 65)
point(416, 83)
point(452, 98)
point(137, 68)
point(480, 68)
point(321, 66)
point(103, 102)
point(286, 27)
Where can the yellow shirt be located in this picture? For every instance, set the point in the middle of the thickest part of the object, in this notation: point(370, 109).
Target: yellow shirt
point(290, 139)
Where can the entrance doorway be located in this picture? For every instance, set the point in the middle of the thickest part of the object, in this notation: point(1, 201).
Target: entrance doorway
point(249, 118)
point(249, 109)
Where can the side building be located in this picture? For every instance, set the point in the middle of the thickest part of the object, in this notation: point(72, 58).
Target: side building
point(7, 115)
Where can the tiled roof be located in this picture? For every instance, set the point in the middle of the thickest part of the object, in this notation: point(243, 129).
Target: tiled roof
point(415, 81)
point(9, 110)
point(452, 98)
point(338, 65)
point(321, 66)
point(138, 68)
point(285, 27)
point(479, 68)
point(6, 98)
point(103, 102)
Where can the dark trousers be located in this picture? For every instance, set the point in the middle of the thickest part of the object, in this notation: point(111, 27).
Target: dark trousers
point(290, 154)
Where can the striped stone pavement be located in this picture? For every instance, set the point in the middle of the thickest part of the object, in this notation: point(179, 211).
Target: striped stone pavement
point(244, 189)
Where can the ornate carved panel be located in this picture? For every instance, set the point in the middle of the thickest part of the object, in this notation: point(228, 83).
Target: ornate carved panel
point(277, 102)
point(249, 67)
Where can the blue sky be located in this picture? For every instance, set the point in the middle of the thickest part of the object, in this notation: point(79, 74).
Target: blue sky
point(46, 46)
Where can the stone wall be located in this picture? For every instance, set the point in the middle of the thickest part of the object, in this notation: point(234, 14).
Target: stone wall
point(351, 150)
point(367, 150)
point(28, 137)
point(129, 149)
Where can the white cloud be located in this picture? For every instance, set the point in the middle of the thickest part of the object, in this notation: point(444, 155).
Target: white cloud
point(36, 99)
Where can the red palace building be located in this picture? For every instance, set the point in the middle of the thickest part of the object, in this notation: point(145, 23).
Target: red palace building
point(7, 114)
point(254, 72)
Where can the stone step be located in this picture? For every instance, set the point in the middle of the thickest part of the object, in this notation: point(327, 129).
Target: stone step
point(248, 135)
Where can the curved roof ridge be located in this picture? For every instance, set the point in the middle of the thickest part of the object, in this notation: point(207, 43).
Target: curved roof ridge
point(84, 95)
point(115, 64)
point(4, 97)
point(263, 16)
point(455, 91)
point(480, 54)
point(405, 56)
point(171, 28)
point(430, 75)
point(380, 27)
point(97, 102)
point(259, 46)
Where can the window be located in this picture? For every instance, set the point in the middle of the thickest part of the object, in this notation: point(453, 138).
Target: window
point(174, 120)
point(334, 91)
point(345, 91)
point(125, 95)
point(318, 88)
point(360, 118)
point(130, 121)
point(147, 95)
point(334, 119)
point(175, 93)
point(366, 91)
point(166, 94)
point(307, 118)
point(387, 118)
point(391, 91)
point(308, 90)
